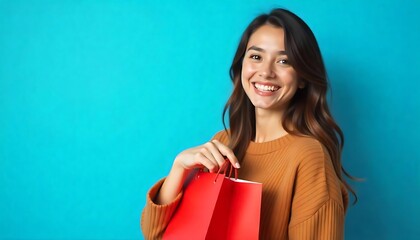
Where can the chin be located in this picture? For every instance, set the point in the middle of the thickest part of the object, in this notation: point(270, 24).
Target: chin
point(263, 106)
point(267, 106)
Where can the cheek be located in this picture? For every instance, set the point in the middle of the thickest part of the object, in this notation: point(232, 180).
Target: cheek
point(247, 71)
point(290, 78)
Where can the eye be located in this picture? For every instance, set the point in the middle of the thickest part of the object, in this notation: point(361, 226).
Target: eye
point(283, 61)
point(255, 57)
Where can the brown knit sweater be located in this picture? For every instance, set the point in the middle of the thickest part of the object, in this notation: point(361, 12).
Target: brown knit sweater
point(302, 196)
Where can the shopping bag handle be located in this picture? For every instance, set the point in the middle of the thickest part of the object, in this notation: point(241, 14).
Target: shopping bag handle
point(224, 167)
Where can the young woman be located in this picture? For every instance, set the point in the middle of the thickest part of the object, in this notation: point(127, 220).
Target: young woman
point(281, 134)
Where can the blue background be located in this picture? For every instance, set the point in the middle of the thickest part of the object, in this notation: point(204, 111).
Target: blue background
point(98, 97)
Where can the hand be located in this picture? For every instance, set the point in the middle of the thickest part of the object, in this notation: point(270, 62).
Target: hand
point(210, 155)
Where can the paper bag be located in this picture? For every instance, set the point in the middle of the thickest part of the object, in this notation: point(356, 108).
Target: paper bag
point(217, 207)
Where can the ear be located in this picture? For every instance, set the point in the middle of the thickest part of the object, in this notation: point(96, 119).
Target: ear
point(301, 84)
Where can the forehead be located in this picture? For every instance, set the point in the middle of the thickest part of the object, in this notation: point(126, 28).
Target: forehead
point(267, 37)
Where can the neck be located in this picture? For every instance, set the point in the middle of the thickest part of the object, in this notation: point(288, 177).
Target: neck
point(268, 125)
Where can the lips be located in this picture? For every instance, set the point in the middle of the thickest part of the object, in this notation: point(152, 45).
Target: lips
point(266, 87)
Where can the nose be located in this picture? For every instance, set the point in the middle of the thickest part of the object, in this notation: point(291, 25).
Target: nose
point(266, 70)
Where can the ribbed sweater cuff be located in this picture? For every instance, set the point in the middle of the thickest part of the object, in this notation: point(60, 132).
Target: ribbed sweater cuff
point(156, 217)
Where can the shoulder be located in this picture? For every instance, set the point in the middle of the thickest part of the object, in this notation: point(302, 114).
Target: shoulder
point(307, 142)
point(315, 171)
point(307, 149)
point(222, 136)
point(311, 155)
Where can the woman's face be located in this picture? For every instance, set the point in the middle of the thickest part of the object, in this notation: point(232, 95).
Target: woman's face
point(267, 78)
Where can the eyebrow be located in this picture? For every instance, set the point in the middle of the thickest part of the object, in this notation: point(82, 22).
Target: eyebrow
point(258, 49)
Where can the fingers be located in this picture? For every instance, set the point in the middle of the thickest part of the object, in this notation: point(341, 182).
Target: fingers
point(211, 155)
point(226, 151)
point(208, 157)
point(215, 153)
point(207, 161)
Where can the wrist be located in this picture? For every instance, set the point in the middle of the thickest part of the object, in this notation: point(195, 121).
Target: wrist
point(178, 169)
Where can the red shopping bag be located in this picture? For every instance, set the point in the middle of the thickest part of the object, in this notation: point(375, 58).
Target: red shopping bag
point(215, 206)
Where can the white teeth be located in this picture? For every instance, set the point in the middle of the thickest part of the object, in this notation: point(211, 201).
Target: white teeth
point(266, 88)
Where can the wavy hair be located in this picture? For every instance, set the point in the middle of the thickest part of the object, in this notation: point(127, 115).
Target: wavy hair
point(307, 113)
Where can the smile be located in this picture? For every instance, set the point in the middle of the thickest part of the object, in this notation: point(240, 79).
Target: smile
point(266, 88)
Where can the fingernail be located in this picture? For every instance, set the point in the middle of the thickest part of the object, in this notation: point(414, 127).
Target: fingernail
point(237, 165)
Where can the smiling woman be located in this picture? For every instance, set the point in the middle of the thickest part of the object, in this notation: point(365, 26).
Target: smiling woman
point(267, 78)
point(281, 134)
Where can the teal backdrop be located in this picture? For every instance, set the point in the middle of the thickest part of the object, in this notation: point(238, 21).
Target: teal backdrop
point(98, 97)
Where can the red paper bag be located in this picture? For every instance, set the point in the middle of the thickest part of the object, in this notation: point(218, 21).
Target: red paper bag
point(217, 207)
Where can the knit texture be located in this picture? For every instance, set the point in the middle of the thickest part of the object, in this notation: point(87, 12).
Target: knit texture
point(302, 196)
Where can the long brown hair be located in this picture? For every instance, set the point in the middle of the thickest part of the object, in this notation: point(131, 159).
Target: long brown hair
point(308, 111)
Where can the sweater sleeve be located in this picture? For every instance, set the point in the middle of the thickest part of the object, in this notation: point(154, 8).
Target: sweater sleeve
point(317, 207)
point(155, 218)
point(327, 223)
